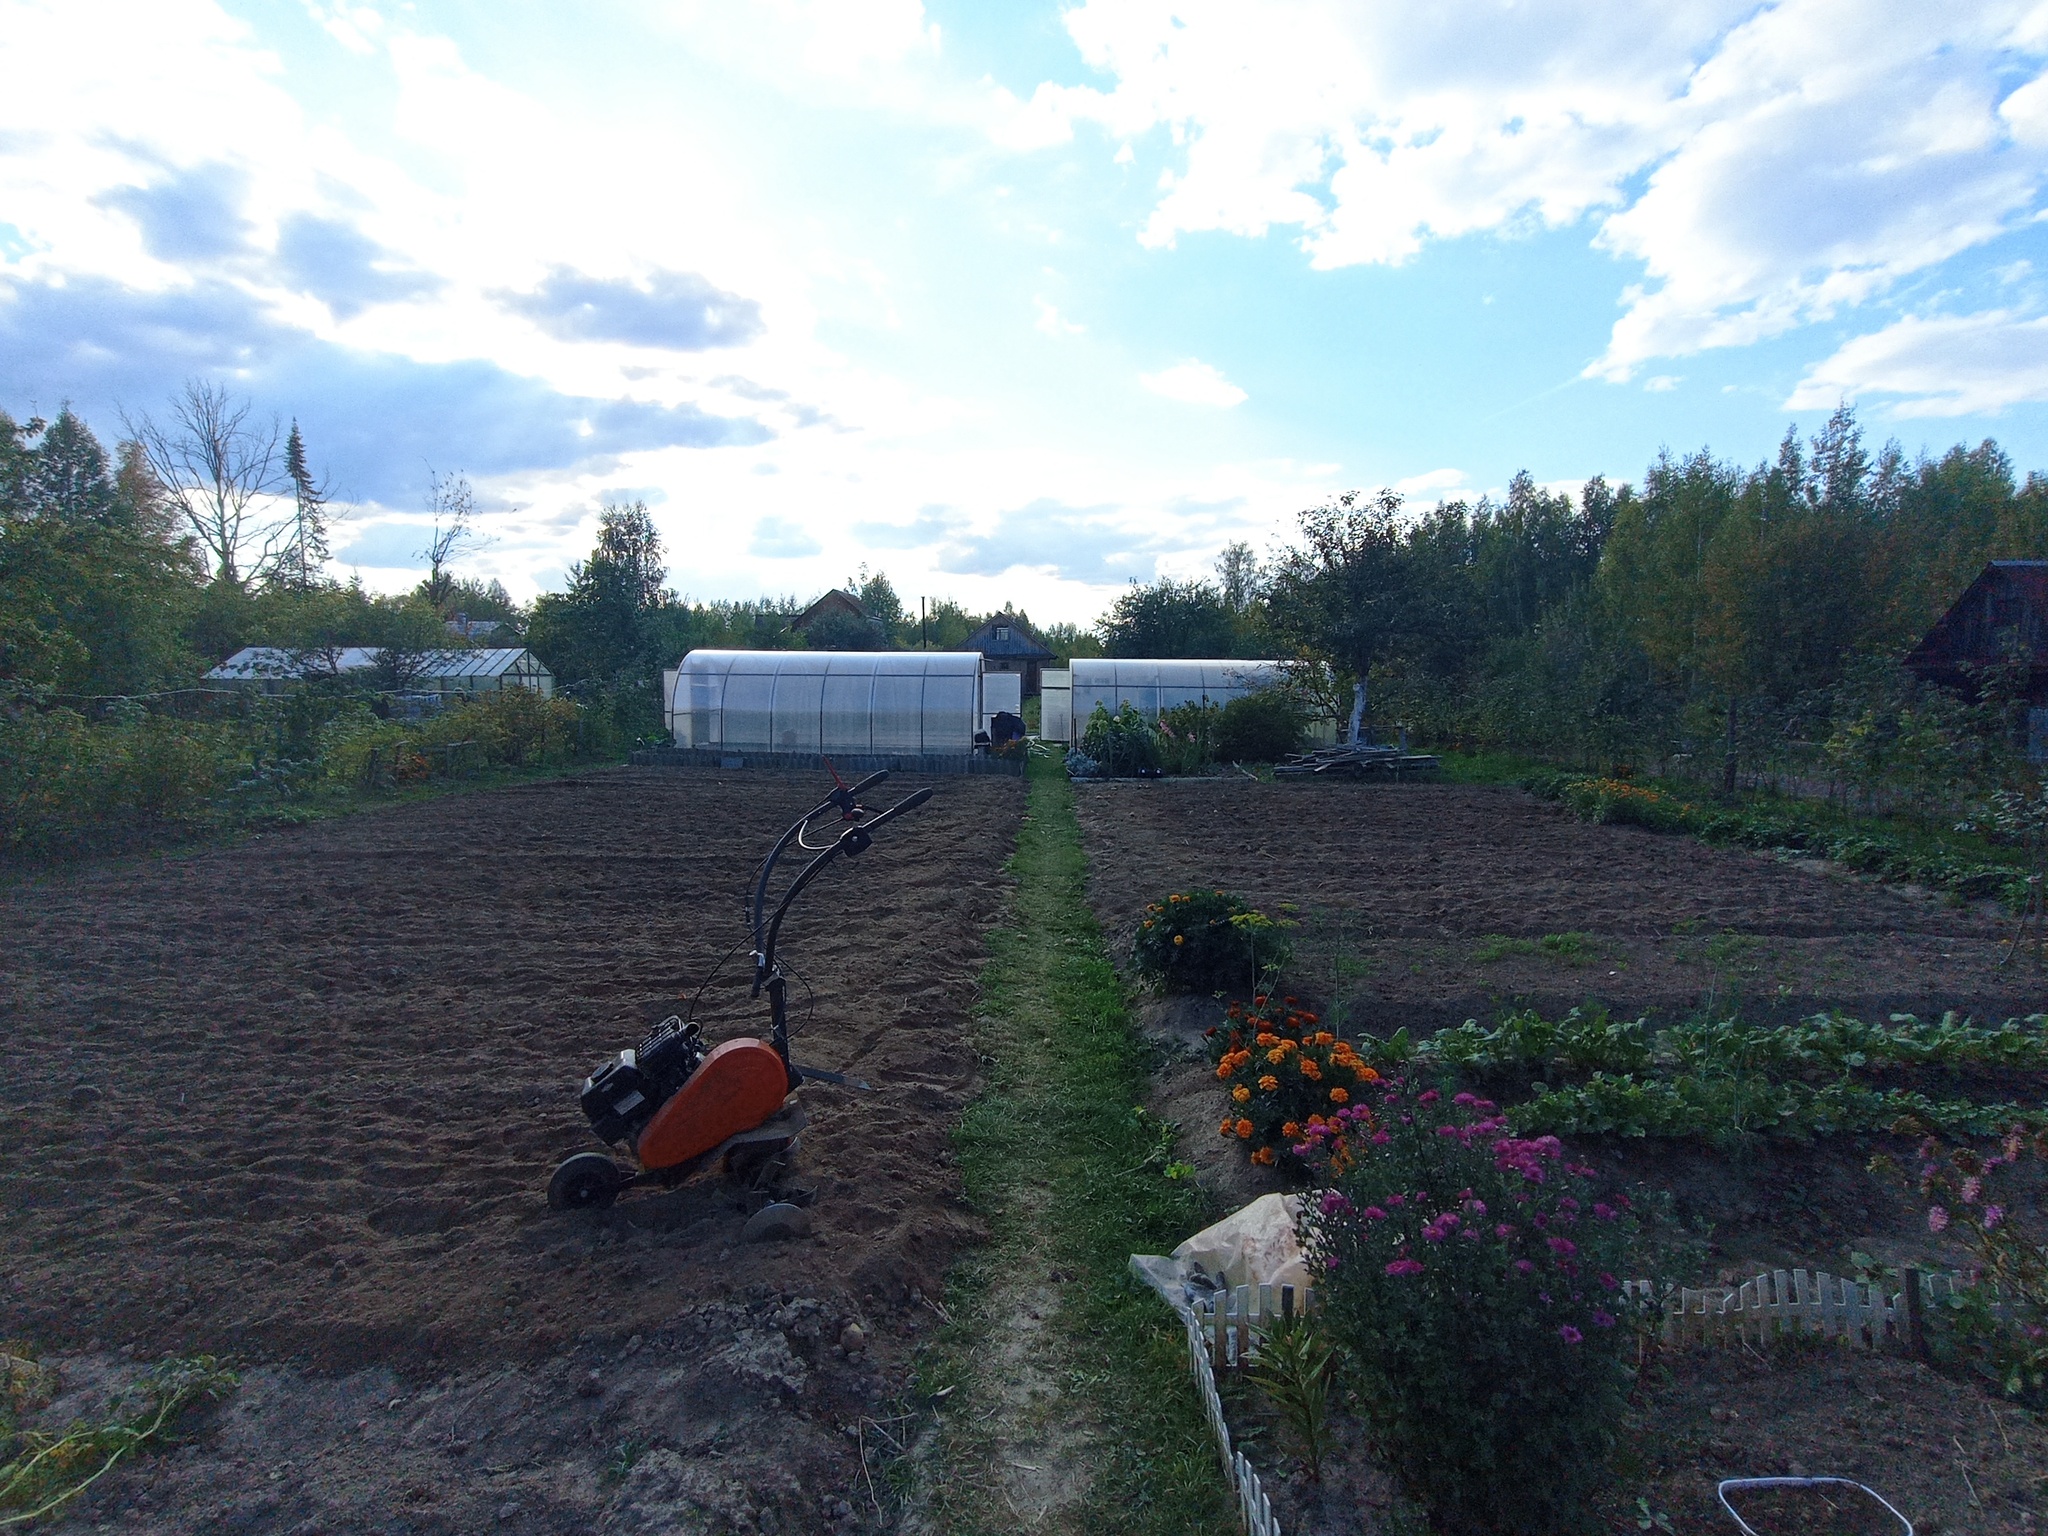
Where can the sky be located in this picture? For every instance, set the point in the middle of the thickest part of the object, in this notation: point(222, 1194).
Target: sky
point(1016, 302)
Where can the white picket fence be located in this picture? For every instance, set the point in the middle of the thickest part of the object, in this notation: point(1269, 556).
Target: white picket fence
point(1784, 1302)
point(1253, 1507)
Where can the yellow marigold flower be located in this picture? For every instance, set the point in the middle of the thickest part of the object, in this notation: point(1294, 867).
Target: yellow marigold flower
point(1180, 938)
point(1241, 1094)
point(1148, 922)
point(1339, 1096)
point(1269, 1083)
point(1277, 1055)
point(1263, 1157)
point(1244, 1130)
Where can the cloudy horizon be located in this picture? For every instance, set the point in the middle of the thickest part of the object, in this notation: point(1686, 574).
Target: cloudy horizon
point(1017, 303)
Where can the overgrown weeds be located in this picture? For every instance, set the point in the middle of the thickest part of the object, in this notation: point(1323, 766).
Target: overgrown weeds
point(45, 1470)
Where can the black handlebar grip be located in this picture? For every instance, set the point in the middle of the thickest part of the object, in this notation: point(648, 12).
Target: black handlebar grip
point(869, 782)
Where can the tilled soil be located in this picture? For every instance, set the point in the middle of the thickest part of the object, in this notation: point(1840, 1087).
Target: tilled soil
point(1403, 896)
point(296, 1101)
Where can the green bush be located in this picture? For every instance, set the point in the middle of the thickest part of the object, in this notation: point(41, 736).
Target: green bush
point(1473, 1278)
point(1124, 743)
point(1261, 727)
point(71, 785)
point(1207, 941)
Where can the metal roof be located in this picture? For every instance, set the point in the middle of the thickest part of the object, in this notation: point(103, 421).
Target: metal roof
point(1019, 643)
point(254, 663)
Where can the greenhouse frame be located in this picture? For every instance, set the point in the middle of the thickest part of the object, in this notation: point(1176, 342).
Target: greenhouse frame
point(852, 706)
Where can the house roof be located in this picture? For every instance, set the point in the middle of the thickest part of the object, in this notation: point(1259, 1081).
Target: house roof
point(834, 601)
point(2007, 603)
point(254, 663)
point(1018, 644)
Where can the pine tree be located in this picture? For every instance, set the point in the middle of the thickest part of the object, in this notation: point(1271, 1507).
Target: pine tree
point(298, 563)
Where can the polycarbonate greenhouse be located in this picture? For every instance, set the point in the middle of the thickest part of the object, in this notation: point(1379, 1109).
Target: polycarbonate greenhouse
point(1152, 686)
point(848, 703)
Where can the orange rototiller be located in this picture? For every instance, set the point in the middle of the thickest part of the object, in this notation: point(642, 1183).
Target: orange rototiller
point(679, 1105)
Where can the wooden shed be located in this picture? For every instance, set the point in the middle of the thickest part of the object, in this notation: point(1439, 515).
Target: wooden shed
point(1007, 646)
point(2003, 614)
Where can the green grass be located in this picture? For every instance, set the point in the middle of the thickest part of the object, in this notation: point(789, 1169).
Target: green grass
point(1566, 948)
point(1072, 1177)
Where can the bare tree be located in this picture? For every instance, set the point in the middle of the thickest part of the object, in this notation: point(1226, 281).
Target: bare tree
point(215, 464)
point(454, 511)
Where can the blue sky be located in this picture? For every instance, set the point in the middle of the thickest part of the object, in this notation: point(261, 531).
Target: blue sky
point(1017, 301)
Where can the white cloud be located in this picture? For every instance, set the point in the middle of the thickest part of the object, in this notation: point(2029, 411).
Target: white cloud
point(1765, 166)
point(1447, 484)
point(1953, 365)
point(1052, 322)
point(1662, 383)
point(1194, 383)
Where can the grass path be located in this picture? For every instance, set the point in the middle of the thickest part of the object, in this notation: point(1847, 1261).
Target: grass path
point(1064, 1401)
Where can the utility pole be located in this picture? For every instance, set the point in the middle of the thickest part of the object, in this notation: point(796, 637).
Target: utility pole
point(923, 639)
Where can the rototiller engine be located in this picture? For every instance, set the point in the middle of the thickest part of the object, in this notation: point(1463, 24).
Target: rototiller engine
point(680, 1105)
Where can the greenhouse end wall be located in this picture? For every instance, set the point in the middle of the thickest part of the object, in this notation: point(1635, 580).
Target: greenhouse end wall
point(845, 703)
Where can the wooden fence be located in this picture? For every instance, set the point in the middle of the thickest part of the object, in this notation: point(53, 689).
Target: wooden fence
point(1253, 1507)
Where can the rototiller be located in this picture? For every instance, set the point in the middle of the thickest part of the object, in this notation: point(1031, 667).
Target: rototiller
point(681, 1106)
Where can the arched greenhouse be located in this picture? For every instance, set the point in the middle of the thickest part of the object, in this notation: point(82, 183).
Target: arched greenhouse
point(1151, 687)
point(841, 704)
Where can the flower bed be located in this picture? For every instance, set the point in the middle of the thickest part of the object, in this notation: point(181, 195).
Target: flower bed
point(1286, 1076)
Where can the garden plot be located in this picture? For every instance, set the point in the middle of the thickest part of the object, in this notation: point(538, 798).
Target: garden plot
point(295, 1102)
point(1419, 907)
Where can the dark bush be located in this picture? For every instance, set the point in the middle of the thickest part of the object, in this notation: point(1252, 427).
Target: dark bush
point(1261, 727)
point(1207, 941)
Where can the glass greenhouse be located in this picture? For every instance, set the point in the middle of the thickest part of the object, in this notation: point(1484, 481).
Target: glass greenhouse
point(846, 702)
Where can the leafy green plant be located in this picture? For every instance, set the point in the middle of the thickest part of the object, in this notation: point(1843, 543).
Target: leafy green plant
point(1123, 744)
point(1294, 1366)
point(1187, 737)
point(1206, 941)
point(1471, 1276)
point(45, 1471)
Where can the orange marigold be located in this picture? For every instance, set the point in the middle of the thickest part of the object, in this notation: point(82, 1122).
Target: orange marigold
point(1226, 1128)
point(1291, 1129)
point(1367, 1075)
point(1310, 1070)
point(1263, 1157)
point(1269, 1083)
point(1244, 1130)
point(1267, 1038)
point(1241, 1094)
point(1324, 1037)
point(1337, 1096)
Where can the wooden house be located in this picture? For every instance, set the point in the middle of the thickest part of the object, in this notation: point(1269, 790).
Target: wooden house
point(1007, 646)
point(2003, 615)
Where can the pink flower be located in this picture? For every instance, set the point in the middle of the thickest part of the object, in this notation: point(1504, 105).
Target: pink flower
point(1993, 1215)
point(1404, 1267)
point(1604, 1211)
point(1608, 1280)
point(1570, 1334)
point(1563, 1247)
point(1374, 1213)
point(1603, 1319)
point(1476, 1207)
point(1523, 1266)
point(1428, 1096)
point(1937, 1218)
point(1972, 1188)
point(1380, 1138)
point(1503, 1231)
point(1397, 1199)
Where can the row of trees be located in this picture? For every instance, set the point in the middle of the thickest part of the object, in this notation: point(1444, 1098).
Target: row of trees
point(1623, 625)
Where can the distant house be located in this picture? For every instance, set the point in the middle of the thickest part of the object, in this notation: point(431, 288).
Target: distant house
point(463, 627)
point(273, 669)
point(2004, 613)
point(1007, 646)
point(833, 602)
